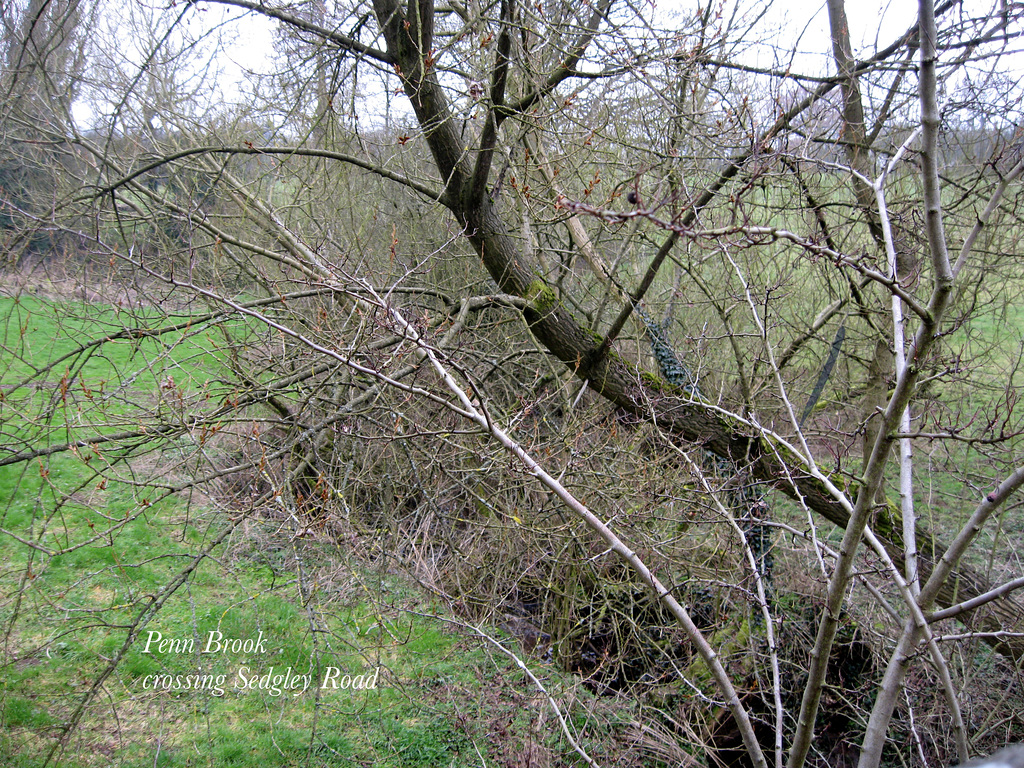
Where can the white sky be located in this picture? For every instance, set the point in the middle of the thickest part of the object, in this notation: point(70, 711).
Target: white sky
point(873, 23)
point(802, 25)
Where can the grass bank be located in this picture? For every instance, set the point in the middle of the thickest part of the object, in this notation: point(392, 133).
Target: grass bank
point(272, 647)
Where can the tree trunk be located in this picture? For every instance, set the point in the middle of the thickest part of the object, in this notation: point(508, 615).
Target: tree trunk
point(636, 391)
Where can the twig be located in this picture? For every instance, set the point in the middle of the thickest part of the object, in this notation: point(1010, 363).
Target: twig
point(976, 602)
point(540, 686)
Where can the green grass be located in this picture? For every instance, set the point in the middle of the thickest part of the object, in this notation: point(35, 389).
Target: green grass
point(87, 544)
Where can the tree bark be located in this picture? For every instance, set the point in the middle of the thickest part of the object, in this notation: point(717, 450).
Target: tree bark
point(636, 391)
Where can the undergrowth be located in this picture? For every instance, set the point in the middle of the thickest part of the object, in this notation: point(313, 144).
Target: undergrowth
point(279, 648)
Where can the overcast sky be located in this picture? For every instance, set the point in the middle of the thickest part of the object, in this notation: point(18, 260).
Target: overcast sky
point(803, 24)
point(800, 25)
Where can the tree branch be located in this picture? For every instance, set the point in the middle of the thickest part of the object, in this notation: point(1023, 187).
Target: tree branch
point(342, 41)
point(426, 191)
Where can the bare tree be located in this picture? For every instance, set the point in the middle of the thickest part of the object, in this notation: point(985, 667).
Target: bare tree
point(770, 278)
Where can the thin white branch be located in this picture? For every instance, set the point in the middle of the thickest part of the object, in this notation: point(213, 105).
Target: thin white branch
point(986, 216)
point(917, 627)
point(942, 286)
point(762, 600)
point(906, 462)
point(807, 453)
point(756, 234)
point(540, 686)
point(602, 529)
point(976, 602)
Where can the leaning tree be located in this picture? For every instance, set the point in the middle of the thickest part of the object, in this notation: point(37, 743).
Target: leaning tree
point(441, 230)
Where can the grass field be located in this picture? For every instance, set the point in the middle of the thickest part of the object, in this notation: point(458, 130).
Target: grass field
point(267, 649)
point(149, 624)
